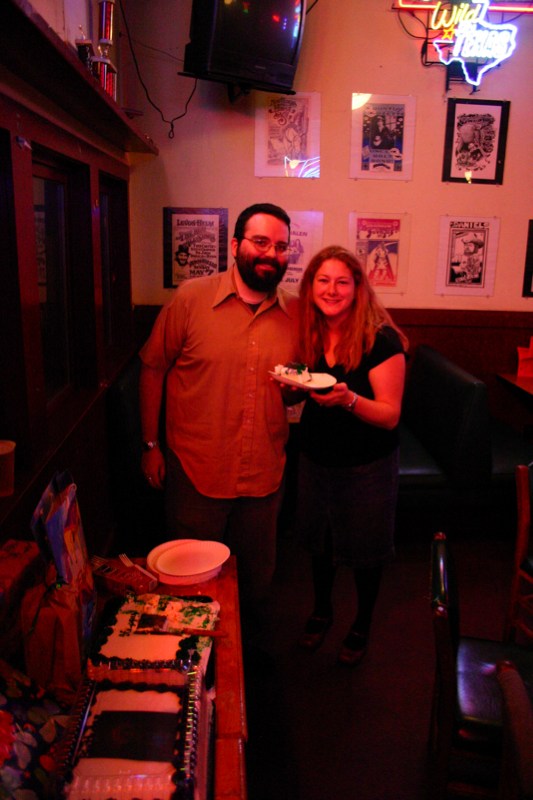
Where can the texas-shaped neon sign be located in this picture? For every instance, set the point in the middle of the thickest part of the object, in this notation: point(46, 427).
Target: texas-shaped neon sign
point(514, 6)
point(468, 38)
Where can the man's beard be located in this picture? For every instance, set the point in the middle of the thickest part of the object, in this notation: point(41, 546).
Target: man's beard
point(256, 279)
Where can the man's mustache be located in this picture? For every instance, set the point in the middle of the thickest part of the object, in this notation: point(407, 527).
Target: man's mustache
point(271, 262)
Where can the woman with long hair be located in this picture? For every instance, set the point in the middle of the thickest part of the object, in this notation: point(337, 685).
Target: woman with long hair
point(348, 471)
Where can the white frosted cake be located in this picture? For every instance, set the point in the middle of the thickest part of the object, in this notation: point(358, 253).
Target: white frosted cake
point(147, 743)
point(293, 370)
point(147, 639)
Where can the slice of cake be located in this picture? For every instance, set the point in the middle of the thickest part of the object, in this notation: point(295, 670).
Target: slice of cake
point(293, 370)
point(145, 639)
point(139, 742)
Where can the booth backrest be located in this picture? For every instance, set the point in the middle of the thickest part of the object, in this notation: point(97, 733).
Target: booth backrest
point(447, 409)
point(139, 509)
point(123, 406)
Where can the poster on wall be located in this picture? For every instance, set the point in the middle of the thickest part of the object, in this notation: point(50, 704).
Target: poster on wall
point(195, 243)
point(287, 135)
point(467, 255)
point(476, 135)
point(383, 128)
point(306, 240)
point(381, 243)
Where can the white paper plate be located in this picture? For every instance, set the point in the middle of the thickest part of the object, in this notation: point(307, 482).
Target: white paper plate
point(319, 380)
point(186, 561)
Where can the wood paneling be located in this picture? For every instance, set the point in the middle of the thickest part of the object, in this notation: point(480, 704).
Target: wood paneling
point(84, 451)
point(482, 342)
point(33, 53)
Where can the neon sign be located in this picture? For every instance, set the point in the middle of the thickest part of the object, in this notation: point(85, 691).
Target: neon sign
point(464, 36)
point(513, 6)
point(468, 38)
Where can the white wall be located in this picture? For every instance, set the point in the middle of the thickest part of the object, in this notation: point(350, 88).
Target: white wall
point(68, 18)
point(349, 46)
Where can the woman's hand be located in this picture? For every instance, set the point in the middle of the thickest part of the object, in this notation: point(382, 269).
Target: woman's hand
point(384, 409)
point(339, 395)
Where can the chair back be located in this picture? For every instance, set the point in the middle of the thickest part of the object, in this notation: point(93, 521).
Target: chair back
point(445, 614)
point(444, 590)
point(517, 766)
point(520, 610)
point(524, 493)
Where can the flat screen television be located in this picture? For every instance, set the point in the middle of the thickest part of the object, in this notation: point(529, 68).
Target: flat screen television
point(254, 44)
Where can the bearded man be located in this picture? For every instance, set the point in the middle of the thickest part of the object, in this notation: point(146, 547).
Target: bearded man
point(210, 352)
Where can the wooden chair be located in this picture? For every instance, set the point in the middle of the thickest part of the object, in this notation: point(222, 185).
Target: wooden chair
point(516, 780)
point(519, 618)
point(466, 716)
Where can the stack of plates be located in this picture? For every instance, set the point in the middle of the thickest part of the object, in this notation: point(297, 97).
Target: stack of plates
point(186, 561)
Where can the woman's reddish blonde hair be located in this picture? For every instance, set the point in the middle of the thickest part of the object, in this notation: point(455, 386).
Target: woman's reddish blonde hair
point(367, 314)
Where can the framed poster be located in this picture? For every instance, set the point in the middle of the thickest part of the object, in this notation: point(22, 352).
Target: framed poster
point(306, 240)
point(527, 290)
point(287, 136)
point(467, 255)
point(381, 243)
point(383, 128)
point(195, 243)
point(476, 135)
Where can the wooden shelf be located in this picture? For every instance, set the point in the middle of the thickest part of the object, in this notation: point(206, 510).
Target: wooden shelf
point(32, 51)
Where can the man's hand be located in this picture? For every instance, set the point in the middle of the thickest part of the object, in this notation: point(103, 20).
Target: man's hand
point(154, 468)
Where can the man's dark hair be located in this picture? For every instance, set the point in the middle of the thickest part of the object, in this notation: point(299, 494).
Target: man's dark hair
point(259, 208)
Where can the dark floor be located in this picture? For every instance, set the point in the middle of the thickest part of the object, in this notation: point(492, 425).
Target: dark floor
point(320, 731)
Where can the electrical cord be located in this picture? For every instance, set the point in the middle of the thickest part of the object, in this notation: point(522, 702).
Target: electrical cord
point(169, 122)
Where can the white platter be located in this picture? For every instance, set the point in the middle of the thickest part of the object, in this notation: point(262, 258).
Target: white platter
point(185, 561)
point(319, 380)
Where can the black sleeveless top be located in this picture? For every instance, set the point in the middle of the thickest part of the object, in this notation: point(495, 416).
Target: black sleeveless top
point(333, 437)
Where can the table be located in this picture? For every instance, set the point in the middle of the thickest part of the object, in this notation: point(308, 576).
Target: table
point(231, 725)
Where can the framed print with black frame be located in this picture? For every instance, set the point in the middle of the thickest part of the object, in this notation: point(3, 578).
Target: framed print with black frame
point(476, 136)
point(195, 243)
point(527, 290)
point(468, 248)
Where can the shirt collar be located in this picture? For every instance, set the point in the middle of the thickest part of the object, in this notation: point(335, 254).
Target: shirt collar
point(226, 287)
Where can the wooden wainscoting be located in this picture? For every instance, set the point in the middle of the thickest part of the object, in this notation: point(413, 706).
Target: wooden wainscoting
point(482, 342)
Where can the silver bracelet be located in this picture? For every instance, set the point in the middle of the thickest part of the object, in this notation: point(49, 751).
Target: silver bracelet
point(351, 405)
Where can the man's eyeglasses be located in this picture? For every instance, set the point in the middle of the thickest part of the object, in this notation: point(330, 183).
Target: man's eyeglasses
point(263, 244)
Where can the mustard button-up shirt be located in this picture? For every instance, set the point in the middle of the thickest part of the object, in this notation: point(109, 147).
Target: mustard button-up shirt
point(225, 418)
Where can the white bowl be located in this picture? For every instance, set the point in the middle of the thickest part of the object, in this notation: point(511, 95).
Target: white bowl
point(186, 561)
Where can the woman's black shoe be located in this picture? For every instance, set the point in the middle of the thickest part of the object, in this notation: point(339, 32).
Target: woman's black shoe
point(314, 632)
point(353, 649)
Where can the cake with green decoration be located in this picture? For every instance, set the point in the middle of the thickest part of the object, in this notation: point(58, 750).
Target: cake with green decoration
point(294, 370)
point(146, 639)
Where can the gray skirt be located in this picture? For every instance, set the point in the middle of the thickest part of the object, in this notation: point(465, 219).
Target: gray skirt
point(349, 512)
